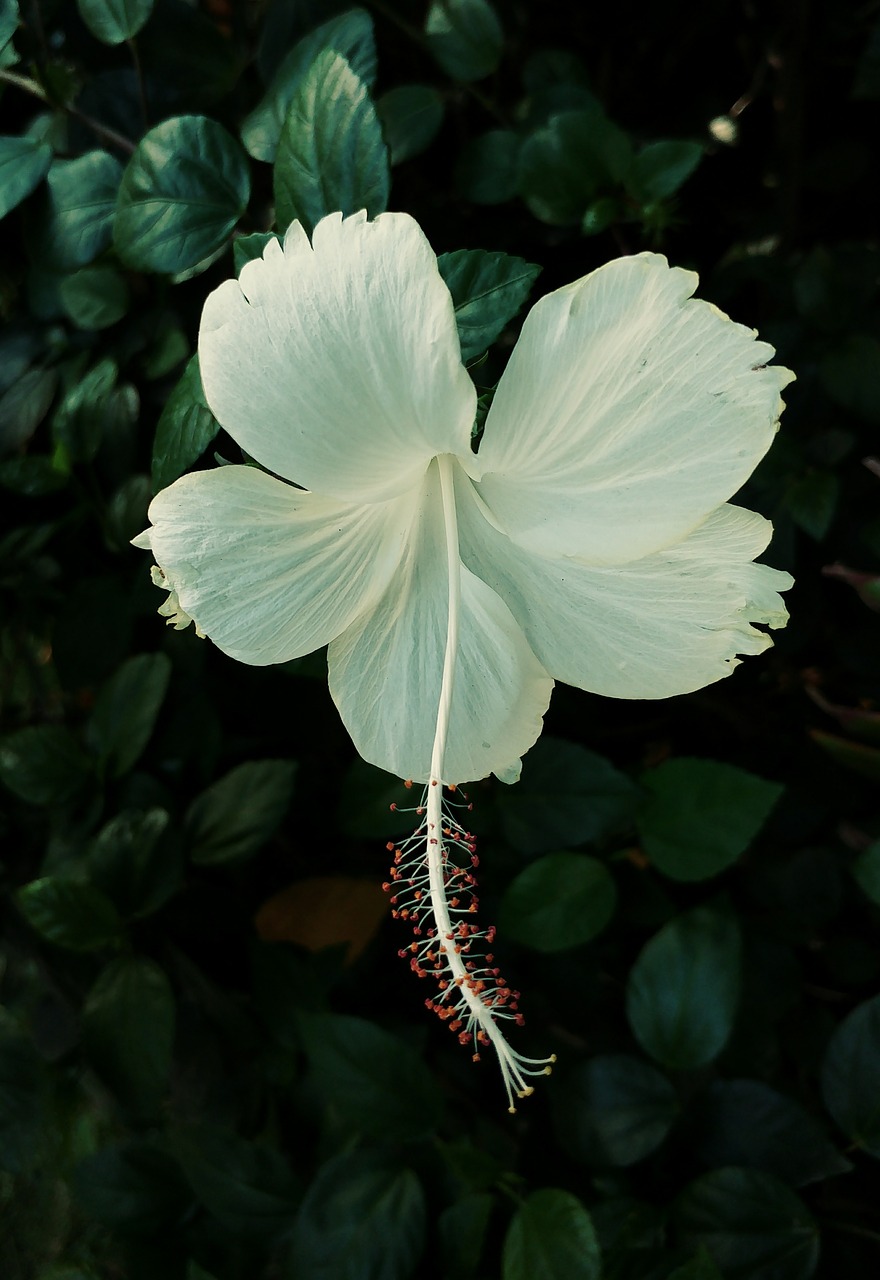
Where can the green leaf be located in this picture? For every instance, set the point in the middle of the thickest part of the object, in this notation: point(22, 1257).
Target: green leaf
point(128, 1024)
point(133, 1187)
point(616, 1109)
point(32, 475)
point(8, 28)
point(683, 989)
point(95, 297)
point(24, 162)
point(551, 1236)
point(331, 155)
point(487, 171)
point(850, 372)
point(126, 710)
point(249, 248)
point(350, 34)
point(113, 21)
point(462, 1227)
point(248, 1186)
point(566, 796)
point(136, 861)
point(24, 405)
point(866, 872)
point(465, 37)
point(751, 1224)
point(811, 500)
point(182, 193)
point(87, 410)
point(353, 1060)
point(185, 428)
point(661, 168)
point(699, 815)
point(746, 1123)
point(411, 116)
point(362, 1216)
point(568, 162)
point(70, 914)
point(850, 1075)
point(487, 290)
point(43, 764)
point(235, 816)
point(700, 1267)
point(77, 224)
point(22, 1086)
point(560, 901)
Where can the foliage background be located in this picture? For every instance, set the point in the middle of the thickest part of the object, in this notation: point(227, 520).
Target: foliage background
point(213, 1065)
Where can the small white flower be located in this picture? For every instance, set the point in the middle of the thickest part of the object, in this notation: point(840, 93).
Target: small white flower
point(589, 539)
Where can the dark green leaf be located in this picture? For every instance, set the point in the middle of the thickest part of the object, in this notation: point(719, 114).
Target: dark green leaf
point(745, 1122)
point(43, 764)
point(362, 1216)
point(136, 862)
point(24, 162)
point(188, 53)
point(128, 1023)
point(465, 37)
point(95, 297)
point(182, 193)
point(113, 21)
point(462, 1227)
point(331, 155)
point(32, 475)
point(850, 371)
point(567, 796)
point(700, 1267)
point(127, 511)
point(23, 407)
point(700, 815)
point(70, 914)
point(411, 117)
point(487, 171)
point(247, 1186)
point(22, 1085)
point(8, 26)
point(248, 248)
point(683, 989)
point(353, 1060)
point(559, 901)
point(185, 429)
point(850, 1075)
point(866, 872)
point(488, 290)
point(350, 34)
point(568, 162)
point(812, 502)
point(81, 200)
point(616, 1109)
point(753, 1226)
point(89, 411)
point(132, 1186)
point(126, 709)
point(237, 815)
point(661, 168)
point(551, 1236)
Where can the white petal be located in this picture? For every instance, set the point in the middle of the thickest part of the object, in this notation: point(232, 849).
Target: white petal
point(267, 571)
point(627, 413)
point(385, 670)
point(667, 624)
point(337, 364)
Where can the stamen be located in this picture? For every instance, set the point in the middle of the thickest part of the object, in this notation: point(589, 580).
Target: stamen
point(434, 891)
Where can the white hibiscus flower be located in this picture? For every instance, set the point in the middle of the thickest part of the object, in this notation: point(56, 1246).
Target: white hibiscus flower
point(589, 539)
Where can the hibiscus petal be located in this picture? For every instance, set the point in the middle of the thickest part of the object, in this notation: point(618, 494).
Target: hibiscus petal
point(267, 571)
point(385, 670)
point(627, 413)
point(337, 364)
point(663, 625)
